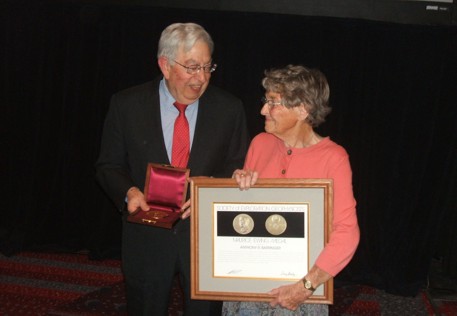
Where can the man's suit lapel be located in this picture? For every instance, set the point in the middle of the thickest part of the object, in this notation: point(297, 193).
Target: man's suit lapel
point(156, 150)
point(202, 135)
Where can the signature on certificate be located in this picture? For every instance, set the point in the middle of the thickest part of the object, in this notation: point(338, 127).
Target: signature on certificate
point(290, 274)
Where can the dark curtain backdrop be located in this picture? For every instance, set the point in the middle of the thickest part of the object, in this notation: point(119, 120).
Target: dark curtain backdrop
point(393, 92)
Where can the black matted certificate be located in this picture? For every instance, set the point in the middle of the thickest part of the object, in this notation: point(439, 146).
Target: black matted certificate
point(245, 243)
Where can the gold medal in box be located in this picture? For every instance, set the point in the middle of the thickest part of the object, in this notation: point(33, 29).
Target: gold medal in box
point(165, 191)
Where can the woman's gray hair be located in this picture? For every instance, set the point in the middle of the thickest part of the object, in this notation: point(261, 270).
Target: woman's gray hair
point(299, 85)
point(183, 35)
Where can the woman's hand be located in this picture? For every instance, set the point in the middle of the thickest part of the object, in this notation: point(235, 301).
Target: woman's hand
point(245, 178)
point(290, 296)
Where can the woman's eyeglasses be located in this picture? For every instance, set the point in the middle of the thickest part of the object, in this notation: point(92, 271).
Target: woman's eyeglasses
point(271, 103)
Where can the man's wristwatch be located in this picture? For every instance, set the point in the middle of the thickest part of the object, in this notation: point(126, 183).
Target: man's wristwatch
point(308, 285)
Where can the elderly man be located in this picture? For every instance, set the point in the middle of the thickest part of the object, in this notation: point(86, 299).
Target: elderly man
point(140, 128)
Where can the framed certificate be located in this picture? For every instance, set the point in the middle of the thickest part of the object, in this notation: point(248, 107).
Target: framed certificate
point(246, 243)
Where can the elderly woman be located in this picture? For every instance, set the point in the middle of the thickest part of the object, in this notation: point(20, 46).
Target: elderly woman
point(296, 101)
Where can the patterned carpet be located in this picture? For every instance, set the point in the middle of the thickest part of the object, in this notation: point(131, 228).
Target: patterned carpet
point(71, 284)
point(57, 284)
point(35, 283)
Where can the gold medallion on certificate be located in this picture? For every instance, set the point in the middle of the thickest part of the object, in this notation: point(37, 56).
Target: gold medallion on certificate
point(243, 224)
point(276, 224)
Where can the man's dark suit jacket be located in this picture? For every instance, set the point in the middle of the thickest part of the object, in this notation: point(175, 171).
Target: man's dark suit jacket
point(133, 137)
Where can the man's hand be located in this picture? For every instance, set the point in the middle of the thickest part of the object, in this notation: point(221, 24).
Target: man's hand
point(135, 200)
point(185, 208)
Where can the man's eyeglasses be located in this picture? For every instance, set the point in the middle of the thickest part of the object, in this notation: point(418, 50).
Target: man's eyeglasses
point(195, 69)
point(271, 103)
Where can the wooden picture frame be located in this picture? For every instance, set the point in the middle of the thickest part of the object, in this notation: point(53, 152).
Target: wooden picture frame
point(236, 250)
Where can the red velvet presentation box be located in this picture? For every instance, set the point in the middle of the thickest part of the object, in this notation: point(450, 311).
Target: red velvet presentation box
point(165, 191)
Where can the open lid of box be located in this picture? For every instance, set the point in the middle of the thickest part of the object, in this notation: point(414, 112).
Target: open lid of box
point(166, 186)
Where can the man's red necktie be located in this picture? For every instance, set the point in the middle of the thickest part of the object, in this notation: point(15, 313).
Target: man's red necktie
point(181, 142)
